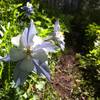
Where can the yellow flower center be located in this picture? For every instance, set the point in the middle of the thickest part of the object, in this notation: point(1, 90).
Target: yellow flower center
point(28, 51)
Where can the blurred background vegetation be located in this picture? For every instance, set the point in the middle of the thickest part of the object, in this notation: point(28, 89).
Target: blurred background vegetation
point(80, 22)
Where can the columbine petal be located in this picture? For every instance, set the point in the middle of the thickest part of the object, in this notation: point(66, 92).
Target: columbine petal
point(59, 37)
point(1, 33)
point(19, 75)
point(16, 40)
point(41, 69)
point(37, 69)
point(18, 82)
point(24, 37)
point(31, 32)
point(47, 46)
point(48, 38)
point(28, 34)
point(40, 55)
point(16, 54)
point(28, 7)
point(44, 65)
point(6, 58)
point(62, 45)
point(37, 41)
point(29, 4)
point(26, 65)
point(57, 26)
point(60, 40)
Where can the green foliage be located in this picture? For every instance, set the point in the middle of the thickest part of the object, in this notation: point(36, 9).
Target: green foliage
point(90, 66)
point(91, 34)
point(12, 23)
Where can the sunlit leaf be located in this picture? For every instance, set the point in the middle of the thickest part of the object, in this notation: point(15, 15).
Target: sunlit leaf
point(40, 85)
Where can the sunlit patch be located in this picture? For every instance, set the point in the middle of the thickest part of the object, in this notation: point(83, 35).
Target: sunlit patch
point(98, 31)
point(0, 41)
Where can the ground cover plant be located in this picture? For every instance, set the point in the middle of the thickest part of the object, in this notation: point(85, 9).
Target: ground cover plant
point(47, 52)
point(16, 50)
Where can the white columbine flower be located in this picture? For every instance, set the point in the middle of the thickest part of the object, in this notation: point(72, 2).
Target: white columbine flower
point(28, 8)
point(59, 35)
point(31, 53)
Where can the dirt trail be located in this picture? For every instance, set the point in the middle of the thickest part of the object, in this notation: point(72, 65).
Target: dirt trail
point(63, 78)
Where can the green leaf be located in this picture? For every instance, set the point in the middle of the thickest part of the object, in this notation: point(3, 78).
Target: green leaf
point(40, 85)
